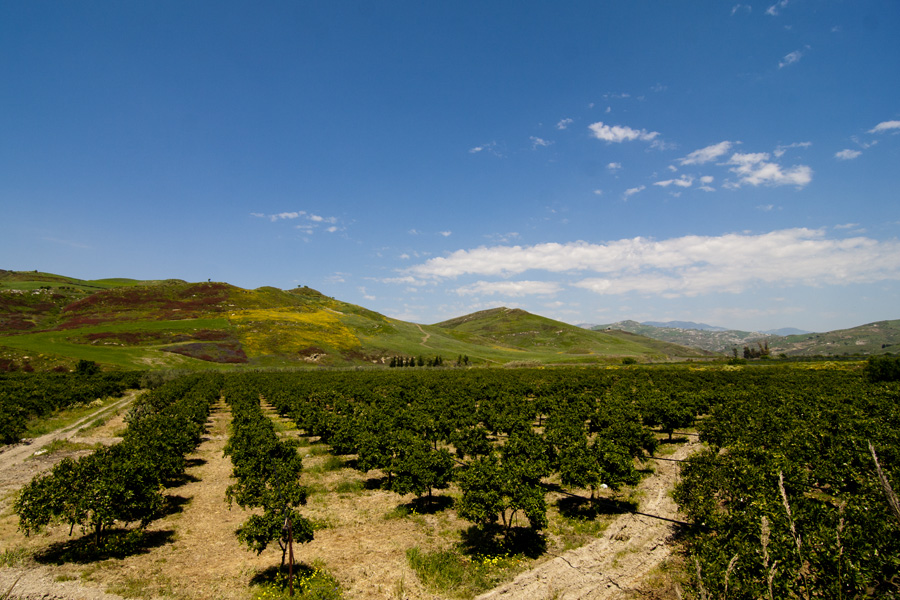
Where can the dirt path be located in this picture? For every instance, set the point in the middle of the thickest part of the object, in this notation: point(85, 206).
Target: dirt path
point(427, 335)
point(615, 565)
point(15, 467)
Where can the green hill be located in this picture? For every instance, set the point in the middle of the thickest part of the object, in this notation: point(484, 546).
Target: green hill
point(873, 338)
point(49, 320)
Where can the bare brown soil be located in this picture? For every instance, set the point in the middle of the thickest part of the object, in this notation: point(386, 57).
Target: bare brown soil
point(362, 538)
point(616, 564)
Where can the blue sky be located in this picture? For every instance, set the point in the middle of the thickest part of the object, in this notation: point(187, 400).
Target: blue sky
point(731, 163)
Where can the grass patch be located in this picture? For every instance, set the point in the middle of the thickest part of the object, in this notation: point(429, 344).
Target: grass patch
point(331, 463)
point(63, 418)
point(350, 486)
point(577, 531)
point(13, 557)
point(451, 573)
point(309, 583)
point(65, 446)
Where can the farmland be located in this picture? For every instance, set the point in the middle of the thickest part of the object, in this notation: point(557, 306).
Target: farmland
point(424, 483)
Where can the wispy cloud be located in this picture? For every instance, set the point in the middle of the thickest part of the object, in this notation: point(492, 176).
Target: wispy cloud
point(684, 266)
point(491, 148)
point(792, 57)
point(513, 289)
point(537, 142)
point(707, 154)
point(620, 133)
point(614, 167)
point(780, 150)
point(310, 222)
point(847, 154)
point(775, 9)
point(741, 7)
point(886, 126)
point(632, 191)
point(564, 123)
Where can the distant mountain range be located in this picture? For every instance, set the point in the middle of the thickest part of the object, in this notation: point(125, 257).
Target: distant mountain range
point(873, 338)
point(52, 321)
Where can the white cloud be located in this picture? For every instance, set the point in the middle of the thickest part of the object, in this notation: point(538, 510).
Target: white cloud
point(632, 191)
point(885, 126)
point(780, 150)
point(310, 221)
point(446, 233)
point(537, 142)
point(684, 266)
point(614, 166)
point(564, 123)
point(280, 216)
point(705, 155)
point(847, 154)
point(755, 169)
point(510, 288)
point(598, 192)
point(790, 58)
point(620, 133)
point(490, 148)
point(737, 7)
point(684, 181)
point(776, 8)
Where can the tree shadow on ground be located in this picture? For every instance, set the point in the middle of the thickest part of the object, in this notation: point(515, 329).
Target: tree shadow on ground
point(375, 483)
point(576, 507)
point(428, 505)
point(116, 543)
point(675, 440)
point(194, 462)
point(494, 540)
point(174, 504)
point(180, 480)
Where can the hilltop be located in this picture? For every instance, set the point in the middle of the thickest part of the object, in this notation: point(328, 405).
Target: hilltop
point(49, 320)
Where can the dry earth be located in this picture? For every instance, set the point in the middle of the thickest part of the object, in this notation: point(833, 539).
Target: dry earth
point(362, 537)
point(616, 565)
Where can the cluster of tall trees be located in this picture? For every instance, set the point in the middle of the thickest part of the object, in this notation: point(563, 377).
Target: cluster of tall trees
point(416, 361)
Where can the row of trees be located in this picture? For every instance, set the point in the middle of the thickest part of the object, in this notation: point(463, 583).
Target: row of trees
point(417, 361)
point(497, 444)
point(124, 483)
point(267, 472)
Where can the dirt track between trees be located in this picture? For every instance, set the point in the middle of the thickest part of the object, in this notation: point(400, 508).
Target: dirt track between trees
point(615, 565)
point(363, 545)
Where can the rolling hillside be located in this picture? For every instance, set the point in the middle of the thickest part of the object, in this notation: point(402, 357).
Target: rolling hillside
point(48, 321)
point(873, 338)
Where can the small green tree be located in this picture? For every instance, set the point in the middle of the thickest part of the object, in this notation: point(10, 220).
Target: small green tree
point(94, 492)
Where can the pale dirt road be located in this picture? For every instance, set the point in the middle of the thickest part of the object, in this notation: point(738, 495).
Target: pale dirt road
point(614, 566)
point(15, 467)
